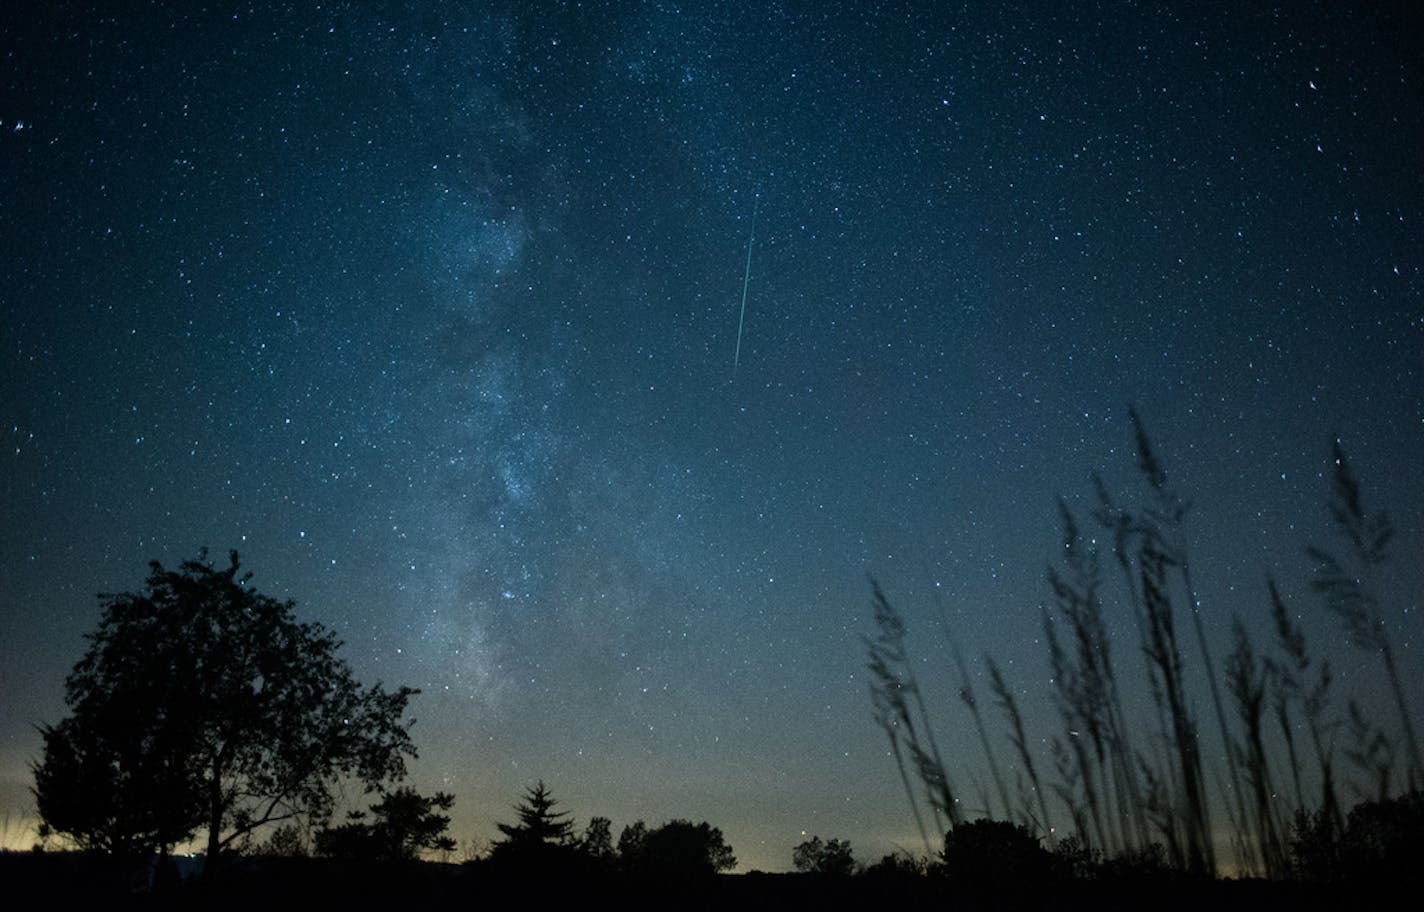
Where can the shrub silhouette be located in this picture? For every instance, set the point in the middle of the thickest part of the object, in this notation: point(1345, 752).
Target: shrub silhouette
point(994, 854)
point(897, 866)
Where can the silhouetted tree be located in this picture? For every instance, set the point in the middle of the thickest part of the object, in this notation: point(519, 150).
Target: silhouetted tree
point(116, 779)
point(353, 840)
point(408, 823)
point(630, 842)
point(538, 822)
point(541, 841)
point(1072, 858)
point(404, 824)
point(680, 848)
point(1381, 841)
point(995, 854)
point(816, 857)
point(201, 703)
point(1315, 845)
point(597, 841)
point(897, 866)
point(1384, 840)
point(286, 841)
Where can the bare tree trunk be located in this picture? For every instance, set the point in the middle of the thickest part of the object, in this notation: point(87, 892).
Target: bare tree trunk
point(215, 814)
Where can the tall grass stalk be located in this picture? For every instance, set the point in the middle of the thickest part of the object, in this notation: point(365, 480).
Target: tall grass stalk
point(1349, 592)
point(1246, 681)
point(1005, 698)
point(1164, 519)
point(1166, 661)
point(1373, 755)
point(1285, 681)
point(1069, 693)
point(1123, 793)
point(966, 695)
point(893, 686)
point(1088, 684)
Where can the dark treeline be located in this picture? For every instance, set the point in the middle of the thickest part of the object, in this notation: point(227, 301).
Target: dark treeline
point(985, 865)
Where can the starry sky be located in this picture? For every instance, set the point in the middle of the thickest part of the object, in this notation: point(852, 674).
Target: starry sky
point(430, 311)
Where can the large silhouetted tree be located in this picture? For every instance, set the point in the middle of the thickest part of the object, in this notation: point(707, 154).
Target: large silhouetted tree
point(202, 704)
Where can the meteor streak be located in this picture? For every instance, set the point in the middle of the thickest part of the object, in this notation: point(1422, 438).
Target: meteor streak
point(746, 281)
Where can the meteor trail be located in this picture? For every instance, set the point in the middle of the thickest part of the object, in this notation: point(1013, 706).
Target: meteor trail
point(746, 280)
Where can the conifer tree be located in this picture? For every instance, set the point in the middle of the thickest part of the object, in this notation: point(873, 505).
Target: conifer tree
point(539, 824)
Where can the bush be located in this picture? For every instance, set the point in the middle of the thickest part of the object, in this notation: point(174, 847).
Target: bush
point(994, 853)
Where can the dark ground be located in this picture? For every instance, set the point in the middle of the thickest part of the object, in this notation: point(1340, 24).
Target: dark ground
point(62, 880)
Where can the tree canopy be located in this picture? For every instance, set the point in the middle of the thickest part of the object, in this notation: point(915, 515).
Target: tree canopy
point(597, 841)
point(405, 824)
point(631, 840)
point(994, 853)
point(203, 704)
point(816, 857)
point(680, 848)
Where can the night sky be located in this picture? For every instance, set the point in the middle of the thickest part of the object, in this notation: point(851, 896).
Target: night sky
point(432, 315)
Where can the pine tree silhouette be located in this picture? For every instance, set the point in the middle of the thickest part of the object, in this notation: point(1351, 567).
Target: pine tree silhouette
point(539, 824)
